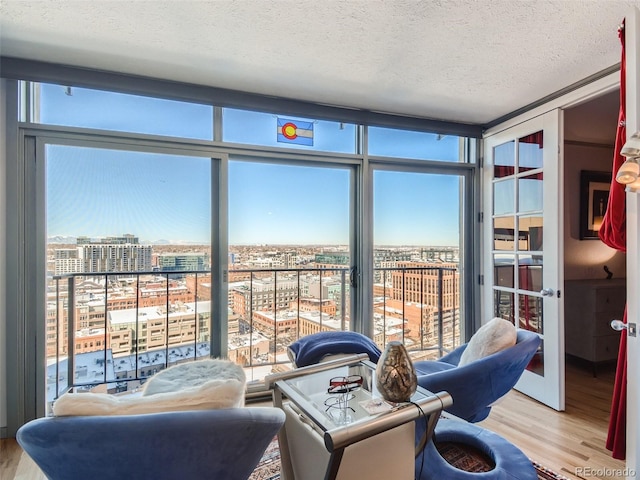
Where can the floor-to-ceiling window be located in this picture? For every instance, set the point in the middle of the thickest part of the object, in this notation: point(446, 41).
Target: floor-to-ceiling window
point(417, 240)
point(289, 257)
point(127, 235)
point(275, 225)
point(419, 228)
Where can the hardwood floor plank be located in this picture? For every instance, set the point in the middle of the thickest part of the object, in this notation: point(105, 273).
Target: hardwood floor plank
point(10, 453)
point(28, 470)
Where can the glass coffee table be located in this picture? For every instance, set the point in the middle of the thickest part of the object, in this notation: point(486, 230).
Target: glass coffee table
point(339, 427)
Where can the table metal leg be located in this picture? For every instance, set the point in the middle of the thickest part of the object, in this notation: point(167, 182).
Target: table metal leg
point(334, 464)
point(285, 456)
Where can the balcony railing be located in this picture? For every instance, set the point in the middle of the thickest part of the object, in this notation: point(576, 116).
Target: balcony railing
point(116, 329)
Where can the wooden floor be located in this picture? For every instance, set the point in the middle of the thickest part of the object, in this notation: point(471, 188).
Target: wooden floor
point(565, 442)
point(571, 443)
point(10, 453)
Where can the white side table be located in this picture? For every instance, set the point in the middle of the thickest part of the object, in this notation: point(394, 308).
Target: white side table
point(324, 438)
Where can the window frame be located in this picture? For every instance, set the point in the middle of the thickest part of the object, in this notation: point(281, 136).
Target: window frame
point(25, 143)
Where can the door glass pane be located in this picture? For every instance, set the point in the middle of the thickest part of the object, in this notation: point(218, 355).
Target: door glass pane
point(530, 149)
point(504, 233)
point(530, 193)
point(530, 233)
point(530, 313)
point(536, 365)
point(416, 260)
point(504, 305)
point(127, 235)
point(504, 160)
point(503, 266)
point(504, 197)
point(289, 258)
point(530, 272)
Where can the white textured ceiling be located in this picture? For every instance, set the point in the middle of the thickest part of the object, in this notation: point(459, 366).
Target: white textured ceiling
point(471, 61)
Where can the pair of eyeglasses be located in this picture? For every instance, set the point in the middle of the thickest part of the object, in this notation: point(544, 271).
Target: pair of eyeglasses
point(344, 384)
point(339, 402)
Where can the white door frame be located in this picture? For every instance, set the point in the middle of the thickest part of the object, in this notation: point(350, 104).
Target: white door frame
point(632, 57)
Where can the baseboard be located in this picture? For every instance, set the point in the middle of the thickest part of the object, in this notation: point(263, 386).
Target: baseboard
point(4, 432)
point(606, 366)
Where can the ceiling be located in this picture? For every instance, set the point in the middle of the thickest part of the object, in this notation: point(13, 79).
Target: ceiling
point(470, 61)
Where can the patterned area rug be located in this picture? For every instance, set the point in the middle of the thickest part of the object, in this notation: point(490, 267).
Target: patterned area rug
point(546, 474)
point(269, 466)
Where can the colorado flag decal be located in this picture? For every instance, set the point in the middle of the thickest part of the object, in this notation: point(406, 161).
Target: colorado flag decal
point(295, 131)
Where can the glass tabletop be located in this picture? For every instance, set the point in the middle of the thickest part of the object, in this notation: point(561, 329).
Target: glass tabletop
point(340, 396)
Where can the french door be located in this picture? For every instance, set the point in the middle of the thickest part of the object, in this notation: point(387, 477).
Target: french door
point(523, 274)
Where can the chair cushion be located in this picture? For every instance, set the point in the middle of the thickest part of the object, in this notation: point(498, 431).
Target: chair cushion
point(193, 374)
point(313, 348)
point(196, 392)
point(492, 337)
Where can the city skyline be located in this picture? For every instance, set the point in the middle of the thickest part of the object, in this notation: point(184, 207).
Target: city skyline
point(71, 240)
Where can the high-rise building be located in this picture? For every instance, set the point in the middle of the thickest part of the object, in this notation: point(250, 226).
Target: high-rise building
point(149, 328)
point(120, 256)
point(66, 260)
point(262, 294)
point(122, 240)
point(171, 262)
point(332, 259)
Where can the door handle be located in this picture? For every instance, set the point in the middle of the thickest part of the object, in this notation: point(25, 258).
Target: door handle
point(619, 325)
point(547, 292)
point(353, 277)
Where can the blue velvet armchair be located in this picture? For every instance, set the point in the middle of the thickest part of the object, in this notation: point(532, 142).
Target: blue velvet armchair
point(224, 444)
point(474, 386)
point(477, 385)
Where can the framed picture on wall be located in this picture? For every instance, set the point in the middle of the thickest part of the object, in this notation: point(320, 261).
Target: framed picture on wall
point(594, 195)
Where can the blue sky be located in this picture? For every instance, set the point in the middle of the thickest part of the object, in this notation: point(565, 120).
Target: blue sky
point(98, 192)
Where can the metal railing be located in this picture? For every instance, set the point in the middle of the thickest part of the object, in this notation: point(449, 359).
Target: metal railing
point(442, 274)
point(277, 307)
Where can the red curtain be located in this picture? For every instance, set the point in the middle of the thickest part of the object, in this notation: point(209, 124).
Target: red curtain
point(613, 233)
point(533, 138)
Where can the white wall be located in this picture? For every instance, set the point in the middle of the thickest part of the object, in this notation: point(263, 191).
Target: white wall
point(585, 258)
point(3, 271)
point(632, 52)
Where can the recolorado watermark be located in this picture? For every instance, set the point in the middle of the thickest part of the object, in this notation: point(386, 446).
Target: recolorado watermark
point(605, 472)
